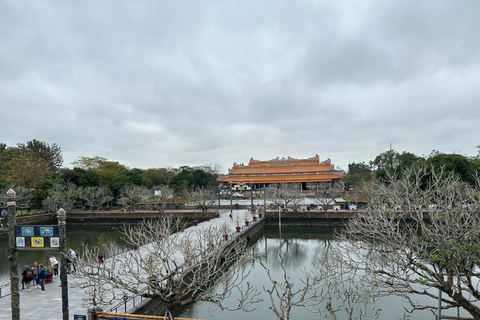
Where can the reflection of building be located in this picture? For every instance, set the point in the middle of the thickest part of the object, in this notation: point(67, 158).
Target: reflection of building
point(282, 170)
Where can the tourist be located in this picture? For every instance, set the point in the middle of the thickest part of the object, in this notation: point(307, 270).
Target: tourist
point(35, 270)
point(54, 263)
point(231, 217)
point(42, 274)
point(27, 277)
point(73, 258)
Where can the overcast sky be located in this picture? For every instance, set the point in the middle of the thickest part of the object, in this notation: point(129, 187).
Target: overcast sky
point(168, 83)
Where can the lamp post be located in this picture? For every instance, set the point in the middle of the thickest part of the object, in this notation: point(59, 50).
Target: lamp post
point(13, 254)
point(62, 217)
point(251, 196)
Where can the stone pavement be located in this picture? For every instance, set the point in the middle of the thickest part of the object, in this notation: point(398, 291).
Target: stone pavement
point(48, 306)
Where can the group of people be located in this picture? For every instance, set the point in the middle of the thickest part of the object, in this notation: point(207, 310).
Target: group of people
point(38, 272)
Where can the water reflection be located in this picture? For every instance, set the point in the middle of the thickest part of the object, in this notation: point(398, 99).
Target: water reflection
point(301, 247)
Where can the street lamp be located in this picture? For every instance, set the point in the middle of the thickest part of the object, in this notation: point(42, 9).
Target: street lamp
point(13, 257)
point(62, 225)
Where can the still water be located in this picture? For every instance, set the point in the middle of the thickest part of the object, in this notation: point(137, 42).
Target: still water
point(75, 237)
point(301, 246)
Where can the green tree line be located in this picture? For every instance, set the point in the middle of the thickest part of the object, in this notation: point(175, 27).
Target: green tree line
point(38, 167)
point(393, 162)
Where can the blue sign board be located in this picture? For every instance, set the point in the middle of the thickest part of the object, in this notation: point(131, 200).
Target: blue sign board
point(3, 212)
point(119, 318)
point(79, 317)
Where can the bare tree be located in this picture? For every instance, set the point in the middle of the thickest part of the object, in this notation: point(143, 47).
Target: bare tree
point(202, 197)
point(419, 236)
point(285, 194)
point(325, 193)
point(61, 196)
point(162, 194)
point(328, 289)
point(95, 197)
point(132, 195)
point(174, 268)
point(23, 197)
point(343, 289)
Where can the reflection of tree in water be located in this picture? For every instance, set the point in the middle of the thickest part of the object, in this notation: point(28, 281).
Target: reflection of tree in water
point(295, 251)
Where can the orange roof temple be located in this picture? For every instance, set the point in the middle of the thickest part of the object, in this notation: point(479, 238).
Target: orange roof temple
point(282, 170)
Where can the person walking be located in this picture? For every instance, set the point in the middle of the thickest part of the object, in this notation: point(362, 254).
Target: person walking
point(35, 270)
point(231, 217)
point(73, 259)
point(42, 274)
point(27, 277)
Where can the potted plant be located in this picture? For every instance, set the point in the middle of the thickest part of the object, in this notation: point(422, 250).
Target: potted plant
point(246, 220)
point(236, 205)
point(195, 222)
point(225, 229)
point(237, 221)
point(46, 264)
point(102, 248)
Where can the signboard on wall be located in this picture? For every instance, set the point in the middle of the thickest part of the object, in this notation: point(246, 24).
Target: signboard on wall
point(37, 237)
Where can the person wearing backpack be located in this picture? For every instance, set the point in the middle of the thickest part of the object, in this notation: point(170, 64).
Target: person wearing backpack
point(27, 277)
point(35, 271)
point(42, 274)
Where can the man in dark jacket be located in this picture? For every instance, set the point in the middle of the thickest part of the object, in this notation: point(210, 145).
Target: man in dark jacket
point(41, 278)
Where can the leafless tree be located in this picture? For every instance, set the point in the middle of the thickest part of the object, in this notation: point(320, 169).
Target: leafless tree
point(61, 196)
point(343, 290)
point(95, 197)
point(172, 267)
point(328, 289)
point(23, 197)
point(419, 236)
point(285, 194)
point(162, 194)
point(133, 195)
point(202, 197)
point(325, 193)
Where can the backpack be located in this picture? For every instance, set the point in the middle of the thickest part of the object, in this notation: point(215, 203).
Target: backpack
point(29, 274)
point(44, 272)
point(35, 271)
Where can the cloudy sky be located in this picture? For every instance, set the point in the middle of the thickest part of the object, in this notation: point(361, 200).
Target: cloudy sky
point(168, 83)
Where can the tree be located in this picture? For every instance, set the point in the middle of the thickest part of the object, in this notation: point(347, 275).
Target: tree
point(456, 163)
point(156, 177)
point(52, 154)
point(178, 267)
point(328, 289)
point(285, 194)
point(23, 197)
point(202, 197)
point(95, 197)
point(132, 195)
point(80, 177)
point(357, 173)
point(61, 196)
point(325, 193)
point(25, 170)
point(419, 232)
point(161, 195)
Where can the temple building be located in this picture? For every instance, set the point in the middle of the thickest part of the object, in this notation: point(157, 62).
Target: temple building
point(280, 170)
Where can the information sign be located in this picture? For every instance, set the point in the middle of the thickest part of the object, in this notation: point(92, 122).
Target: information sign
point(79, 317)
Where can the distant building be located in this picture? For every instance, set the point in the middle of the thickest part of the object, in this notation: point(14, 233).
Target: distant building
point(280, 170)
